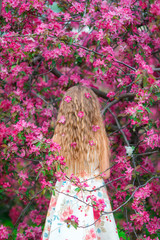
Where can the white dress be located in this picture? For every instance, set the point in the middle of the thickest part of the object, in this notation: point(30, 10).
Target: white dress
point(68, 202)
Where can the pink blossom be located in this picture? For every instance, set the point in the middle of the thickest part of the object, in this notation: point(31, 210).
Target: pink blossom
point(80, 114)
point(62, 119)
point(45, 184)
point(129, 173)
point(145, 120)
point(60, 175)
point(95, 128)
point(73, 144)
point(140, 218)
point(15, 212)
point(143, 192)
point(6, 185)
point(110, 94)
point(92, 143)
point(73, 218)
point(5, 104)
point(3, 232)
point(155, 8)
point(143, 5)
point(100, 34)
point(75, 78)
point(97, 203)
point(23, 175)
point(87, 95)
point(61, 160)
point(67, 99)
point(154, 225)
point(99, 63)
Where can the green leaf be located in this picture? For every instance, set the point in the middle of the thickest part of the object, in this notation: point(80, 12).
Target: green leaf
point(27, 193)
point(110, 65)
point(1, 190)
point(13, 66)
point(98, 43)
point(20, 135)
point(77, 189)
point(75, 225)
point(95, 69)
point(7, 9)
point(150, 125)
point(23, 73)
point(138, 76)
point(45, 89)
point(71, 40)
point(108, 40)
point(53, 62)
point(16, 118)
point(145, 82)
point(158, 95)
point(11, 138)
point(103, 69)
point(58, 167)
point(148, 110)
point(139, 111)
point(13, 100)
point(91, 59)
point(53, 192)
point(38, 144)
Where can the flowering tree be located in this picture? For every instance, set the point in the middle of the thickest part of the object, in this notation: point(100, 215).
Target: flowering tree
point(45, 48)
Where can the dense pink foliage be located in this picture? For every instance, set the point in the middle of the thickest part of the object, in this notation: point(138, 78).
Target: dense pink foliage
point(112, 46)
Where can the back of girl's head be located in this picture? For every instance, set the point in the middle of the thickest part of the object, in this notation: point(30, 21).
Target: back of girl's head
point(79, 130)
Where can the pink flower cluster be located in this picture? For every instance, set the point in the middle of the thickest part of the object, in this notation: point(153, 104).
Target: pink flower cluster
point(4, 232)
point(77, 182)
point(73, 218)
point(98, 204)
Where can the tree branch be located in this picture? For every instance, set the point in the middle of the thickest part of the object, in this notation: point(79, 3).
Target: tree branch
point(99, 93)
point(56, 72)
point(125, 95)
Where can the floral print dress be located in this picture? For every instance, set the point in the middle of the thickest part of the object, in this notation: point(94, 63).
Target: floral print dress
point(68, 202)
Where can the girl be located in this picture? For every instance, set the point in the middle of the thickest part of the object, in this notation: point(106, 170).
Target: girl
point(81, 134)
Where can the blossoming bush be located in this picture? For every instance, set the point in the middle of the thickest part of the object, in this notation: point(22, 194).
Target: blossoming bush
point(47, 47)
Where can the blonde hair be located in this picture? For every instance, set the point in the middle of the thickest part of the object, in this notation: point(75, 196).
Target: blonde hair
point(75, 134)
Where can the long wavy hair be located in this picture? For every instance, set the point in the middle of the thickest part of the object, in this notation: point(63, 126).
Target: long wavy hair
point(80, 131)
